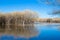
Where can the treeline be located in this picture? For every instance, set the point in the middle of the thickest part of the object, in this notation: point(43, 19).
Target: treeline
point(53, 20)
point(12, 21)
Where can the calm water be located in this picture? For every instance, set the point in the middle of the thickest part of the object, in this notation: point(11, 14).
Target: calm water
point(46, 32)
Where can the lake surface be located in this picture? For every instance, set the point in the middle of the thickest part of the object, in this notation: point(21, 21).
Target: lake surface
point(46, 32)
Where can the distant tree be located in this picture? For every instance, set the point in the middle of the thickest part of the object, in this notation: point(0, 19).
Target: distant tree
point(31, 15)
point(25, 15)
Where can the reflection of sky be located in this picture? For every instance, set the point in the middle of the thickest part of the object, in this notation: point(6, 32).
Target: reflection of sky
point(35, 5)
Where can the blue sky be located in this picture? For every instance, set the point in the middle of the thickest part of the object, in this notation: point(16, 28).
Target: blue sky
point(35, 5)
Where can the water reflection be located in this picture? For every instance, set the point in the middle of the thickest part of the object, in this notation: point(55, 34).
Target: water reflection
point(46, 32)
point(27, 31)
